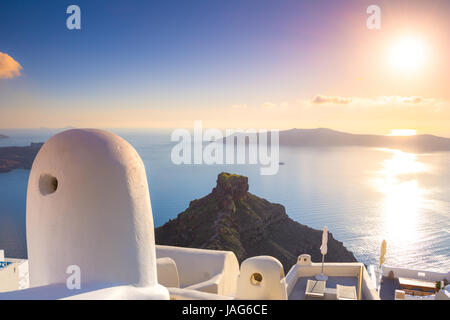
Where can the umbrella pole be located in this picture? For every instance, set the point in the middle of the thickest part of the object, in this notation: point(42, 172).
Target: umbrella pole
point(323, 259)
point(322, 276)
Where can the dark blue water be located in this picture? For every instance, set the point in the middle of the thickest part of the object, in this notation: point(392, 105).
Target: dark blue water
point(363, 195)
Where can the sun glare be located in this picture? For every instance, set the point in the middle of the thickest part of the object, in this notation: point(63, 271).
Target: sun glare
point(408, 54)
point(403, 132)
point(404, 197)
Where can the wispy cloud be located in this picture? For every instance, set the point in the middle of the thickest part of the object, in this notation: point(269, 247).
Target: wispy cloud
point(376, 101)
point(396, 101)
point(9, 68)
point(321, 99)
point(415, 99)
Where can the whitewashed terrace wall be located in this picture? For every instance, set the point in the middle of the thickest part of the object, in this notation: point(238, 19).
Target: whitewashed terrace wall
point(210, 271)
point(415, 274)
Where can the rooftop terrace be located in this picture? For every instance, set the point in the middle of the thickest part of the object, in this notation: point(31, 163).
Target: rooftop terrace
point(298, 293)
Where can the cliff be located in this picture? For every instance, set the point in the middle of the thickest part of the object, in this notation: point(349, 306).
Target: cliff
point(231, 218)
point(18, 157)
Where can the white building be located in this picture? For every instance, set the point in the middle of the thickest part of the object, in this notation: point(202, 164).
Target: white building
point(13, 273)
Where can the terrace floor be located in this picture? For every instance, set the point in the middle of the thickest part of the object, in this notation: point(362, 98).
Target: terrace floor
point(298, 293)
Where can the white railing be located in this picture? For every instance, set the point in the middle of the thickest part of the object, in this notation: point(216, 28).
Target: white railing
point(415, 274)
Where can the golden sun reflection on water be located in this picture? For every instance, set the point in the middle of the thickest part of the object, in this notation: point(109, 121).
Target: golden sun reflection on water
point(403, 196)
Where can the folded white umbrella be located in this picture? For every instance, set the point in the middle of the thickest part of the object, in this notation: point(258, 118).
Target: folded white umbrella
point(323, 247)
point(323, 250)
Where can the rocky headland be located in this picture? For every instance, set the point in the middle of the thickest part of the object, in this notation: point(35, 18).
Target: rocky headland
point(231, 218)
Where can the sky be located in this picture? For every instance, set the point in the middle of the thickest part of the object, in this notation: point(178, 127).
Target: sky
point(232, 64)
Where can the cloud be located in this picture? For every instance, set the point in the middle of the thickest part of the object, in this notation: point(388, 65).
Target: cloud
point(415, 99)
point(9, 68)
point(377, 101)
point(269, 105)
point(399, 101)
point(239, 106)
point(321, 99)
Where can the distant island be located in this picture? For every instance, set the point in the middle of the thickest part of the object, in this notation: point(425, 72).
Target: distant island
point(330, 138)
point(18, 157)
point(231, 218)
point(2, 136)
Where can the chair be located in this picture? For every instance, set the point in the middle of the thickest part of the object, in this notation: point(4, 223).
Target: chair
point(315, 289)
point(346, 292)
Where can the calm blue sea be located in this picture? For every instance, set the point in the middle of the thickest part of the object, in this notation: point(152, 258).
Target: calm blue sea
point(363, 195)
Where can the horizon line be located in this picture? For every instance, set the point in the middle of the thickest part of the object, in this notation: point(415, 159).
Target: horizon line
point(446, 135)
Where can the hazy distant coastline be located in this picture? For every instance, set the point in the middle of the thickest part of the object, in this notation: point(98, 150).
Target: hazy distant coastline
point(18, 157)
point(330, 138)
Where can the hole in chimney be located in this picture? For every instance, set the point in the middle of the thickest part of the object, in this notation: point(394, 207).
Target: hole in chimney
point(48, 184)
point(256, 279)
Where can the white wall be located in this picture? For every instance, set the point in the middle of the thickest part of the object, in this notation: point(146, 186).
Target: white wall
point(219, 269)
point(416, 274)
point(167, 273)
point(24, 278)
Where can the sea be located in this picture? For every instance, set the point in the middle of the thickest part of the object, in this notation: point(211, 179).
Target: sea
point(363, 195)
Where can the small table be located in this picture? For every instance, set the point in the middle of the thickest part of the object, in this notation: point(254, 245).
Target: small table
point(315, 289)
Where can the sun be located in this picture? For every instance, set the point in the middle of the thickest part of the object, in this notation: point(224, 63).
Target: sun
point(408, 54)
